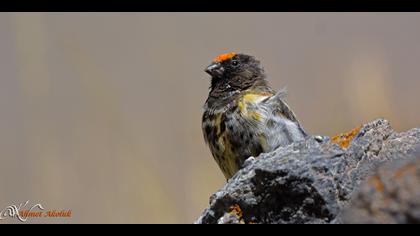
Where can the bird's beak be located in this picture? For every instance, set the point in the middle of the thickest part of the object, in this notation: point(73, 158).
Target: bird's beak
point(215, 70)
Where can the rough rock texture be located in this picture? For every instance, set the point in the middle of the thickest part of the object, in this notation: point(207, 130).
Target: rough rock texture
point(309, 181)
point(390, 196)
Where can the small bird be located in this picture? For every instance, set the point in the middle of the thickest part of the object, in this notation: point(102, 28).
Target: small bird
point(243, 116)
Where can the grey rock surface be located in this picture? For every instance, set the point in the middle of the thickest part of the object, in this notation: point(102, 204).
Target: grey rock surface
point(310, 181)
point(390, 196)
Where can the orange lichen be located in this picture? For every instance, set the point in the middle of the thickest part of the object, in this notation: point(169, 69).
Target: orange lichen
point(343, 140)
point(377, 183)
point(236, 210)
point(409, 169)
point(224, 57)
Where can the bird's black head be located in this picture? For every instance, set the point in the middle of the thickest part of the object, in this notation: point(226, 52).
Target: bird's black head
point(235, 71)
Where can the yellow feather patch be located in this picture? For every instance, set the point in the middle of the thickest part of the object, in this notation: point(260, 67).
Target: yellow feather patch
point(217, 122)
point(263, 141)
point(251, 98)
point(230, 163)
point(255, 97)
point(255, 115)
point(241, 106)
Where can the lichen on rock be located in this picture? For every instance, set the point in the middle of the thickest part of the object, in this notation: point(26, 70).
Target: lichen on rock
point(390, 196)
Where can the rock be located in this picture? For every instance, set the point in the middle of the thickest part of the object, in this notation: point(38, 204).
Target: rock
point(310, 181)
point(390, 196)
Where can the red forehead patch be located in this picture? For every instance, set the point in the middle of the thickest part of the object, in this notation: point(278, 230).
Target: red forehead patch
point(224, 57)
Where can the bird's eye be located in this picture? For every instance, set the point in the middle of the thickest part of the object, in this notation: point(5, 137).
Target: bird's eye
point(235, 63)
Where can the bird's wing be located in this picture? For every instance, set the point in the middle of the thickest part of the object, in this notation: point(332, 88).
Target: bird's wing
point(280, 107)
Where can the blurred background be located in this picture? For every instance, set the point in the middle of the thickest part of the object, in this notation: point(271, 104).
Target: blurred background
point(100, 113)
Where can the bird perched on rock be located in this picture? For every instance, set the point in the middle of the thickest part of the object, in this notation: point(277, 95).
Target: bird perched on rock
point(243, 116)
